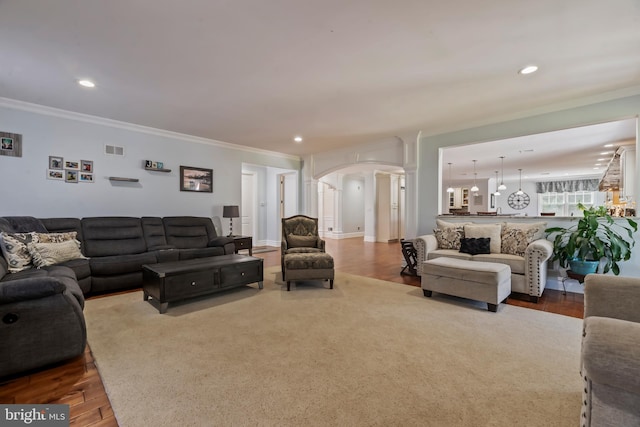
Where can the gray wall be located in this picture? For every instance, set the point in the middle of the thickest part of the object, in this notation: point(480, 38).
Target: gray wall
point(45, 132)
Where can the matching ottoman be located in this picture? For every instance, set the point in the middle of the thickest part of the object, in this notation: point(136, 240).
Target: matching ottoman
point(308, 266)
point(481, 281)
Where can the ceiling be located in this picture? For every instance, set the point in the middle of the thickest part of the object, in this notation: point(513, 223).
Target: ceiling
point(336, 72)
point(544, 156)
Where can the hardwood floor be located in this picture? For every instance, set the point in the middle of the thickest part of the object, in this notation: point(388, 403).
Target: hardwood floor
point(78, 383)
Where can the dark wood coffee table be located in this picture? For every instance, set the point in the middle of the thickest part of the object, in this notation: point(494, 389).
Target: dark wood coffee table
point(176, 281)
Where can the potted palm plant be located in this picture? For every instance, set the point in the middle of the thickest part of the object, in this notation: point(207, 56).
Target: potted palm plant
point(596, 237)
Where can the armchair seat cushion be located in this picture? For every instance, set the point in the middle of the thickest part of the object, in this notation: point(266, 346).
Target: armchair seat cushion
point(303, 250)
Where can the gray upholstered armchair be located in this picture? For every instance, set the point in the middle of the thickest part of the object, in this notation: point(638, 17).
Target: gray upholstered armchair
point(610, 361)
point(300, 235)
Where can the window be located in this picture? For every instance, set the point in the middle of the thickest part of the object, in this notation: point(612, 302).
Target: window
point(565, 204)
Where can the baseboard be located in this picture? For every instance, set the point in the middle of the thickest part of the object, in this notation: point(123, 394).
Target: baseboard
point(338, 236)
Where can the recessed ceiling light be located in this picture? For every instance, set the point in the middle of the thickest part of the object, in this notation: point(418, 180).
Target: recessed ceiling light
point(298, 139)
point(598, 164)
point(529, 69)
point(601, 160)
point(608, 145)
point(596, 169)
point(86, 83)
point(605, 152)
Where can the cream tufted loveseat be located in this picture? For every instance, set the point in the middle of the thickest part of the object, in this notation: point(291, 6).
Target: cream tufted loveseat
point(521, 246)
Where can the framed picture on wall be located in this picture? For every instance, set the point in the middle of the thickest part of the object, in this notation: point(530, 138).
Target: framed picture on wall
point(196, 179)
point(86, 177)
point(86, 166)
point(72, 164)
point(56, 162)
point(70, 175)
point(56, 174)
point(10, 144)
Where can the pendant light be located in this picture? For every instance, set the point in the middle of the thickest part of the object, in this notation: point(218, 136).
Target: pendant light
point(520, 192)
point(502, 186)
point(497, 193)
point(450, 189)
point(475, 188)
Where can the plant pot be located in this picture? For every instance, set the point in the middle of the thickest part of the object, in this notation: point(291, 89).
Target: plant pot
point(583, 267)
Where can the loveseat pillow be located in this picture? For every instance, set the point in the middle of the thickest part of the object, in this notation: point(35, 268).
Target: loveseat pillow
point(516, 237)
point(491, 231)
point(474, 246)
point(54, 237)
point(449, 238)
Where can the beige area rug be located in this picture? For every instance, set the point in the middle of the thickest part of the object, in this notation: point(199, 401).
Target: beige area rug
point(367, 353)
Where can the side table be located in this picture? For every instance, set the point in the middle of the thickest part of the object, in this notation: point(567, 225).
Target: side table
point(243, 242)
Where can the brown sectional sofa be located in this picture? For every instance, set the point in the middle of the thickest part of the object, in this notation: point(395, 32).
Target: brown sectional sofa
point(41, 308)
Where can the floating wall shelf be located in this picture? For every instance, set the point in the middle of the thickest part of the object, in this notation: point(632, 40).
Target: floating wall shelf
point(158, 170)
point(118, 178)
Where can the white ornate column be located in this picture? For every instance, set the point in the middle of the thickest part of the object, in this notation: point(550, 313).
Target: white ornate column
point(337, 205)
point(410, 164)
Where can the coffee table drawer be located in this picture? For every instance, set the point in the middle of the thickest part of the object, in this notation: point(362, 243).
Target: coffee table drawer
point(244, 273)
point(190, 284)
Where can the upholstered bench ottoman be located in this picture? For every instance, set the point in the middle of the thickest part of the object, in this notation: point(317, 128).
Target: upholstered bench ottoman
point(481, 281)
point(308, 266)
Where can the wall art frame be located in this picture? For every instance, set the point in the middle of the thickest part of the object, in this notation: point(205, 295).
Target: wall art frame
point(196, 179)
point(10, 144)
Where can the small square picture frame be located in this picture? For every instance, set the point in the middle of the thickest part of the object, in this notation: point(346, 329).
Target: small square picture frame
point(6, 143)
point(55, 174)
point(160, 165)
point(72, 165)
point(86, 177)
point(56, 162)
point(71, 175)
point(154, 165)
point(10, 144)
point(86, 166)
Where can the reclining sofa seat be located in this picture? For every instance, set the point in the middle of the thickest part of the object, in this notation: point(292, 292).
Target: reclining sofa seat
point(195, 237)
point(41, 311)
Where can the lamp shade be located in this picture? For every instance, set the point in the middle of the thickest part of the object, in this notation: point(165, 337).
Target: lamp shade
point(230, 212)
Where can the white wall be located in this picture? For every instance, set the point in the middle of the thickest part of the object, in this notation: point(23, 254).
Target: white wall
point(353, 189)
point(45, 132)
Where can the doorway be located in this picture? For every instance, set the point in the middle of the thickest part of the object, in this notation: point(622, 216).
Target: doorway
point(249, 203)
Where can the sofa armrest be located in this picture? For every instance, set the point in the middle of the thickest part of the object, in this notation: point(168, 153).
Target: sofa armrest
point(611, 353)
point(536, 257)
point(424, 245)
point(220, 242)
point(612, 296)
point(28, 289)
point(321, 244)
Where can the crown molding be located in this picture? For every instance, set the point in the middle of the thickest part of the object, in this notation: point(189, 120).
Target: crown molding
point(87, 118)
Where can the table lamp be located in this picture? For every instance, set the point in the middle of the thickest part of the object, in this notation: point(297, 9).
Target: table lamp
point(230, 212)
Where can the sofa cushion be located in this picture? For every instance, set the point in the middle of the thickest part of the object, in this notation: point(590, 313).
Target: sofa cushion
point(153, 230)
point(491, 231)
point(45, 254)
point(15, 250)
point(120, 264)
point(449, 238)
point(515, 262)
point(112, 236)
point(516, 237)
point(200, 252)
point(473, 246)
point(445, 224)
point(25, 224)
point(186, 232)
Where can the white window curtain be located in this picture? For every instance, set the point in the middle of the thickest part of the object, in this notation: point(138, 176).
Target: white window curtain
point(569, 186)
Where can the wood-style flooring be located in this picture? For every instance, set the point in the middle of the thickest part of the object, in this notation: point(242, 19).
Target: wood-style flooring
point(78, 383)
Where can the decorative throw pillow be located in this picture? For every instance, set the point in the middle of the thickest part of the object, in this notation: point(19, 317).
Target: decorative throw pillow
point(54, 237)
point(15, 251)
point(538, 226)
point(474, 246)
point(448, 238)
point(296, 241)
point(491, 231)
point(45, 254)
point(516, 240)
